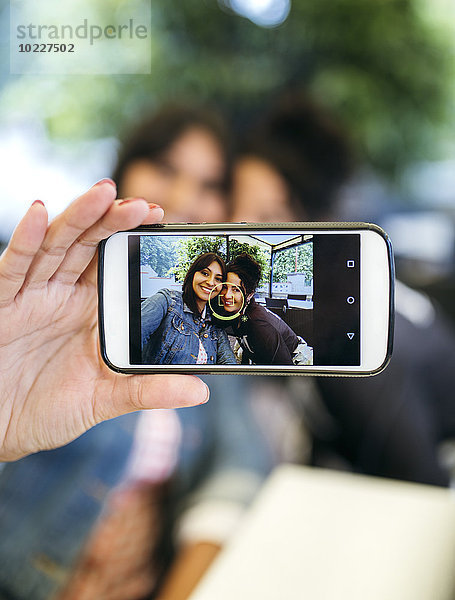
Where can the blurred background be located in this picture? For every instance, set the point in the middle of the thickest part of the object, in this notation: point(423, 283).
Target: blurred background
point(385, 68)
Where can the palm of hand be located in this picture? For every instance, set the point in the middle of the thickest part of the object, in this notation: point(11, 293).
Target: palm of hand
point(50, 357)
point(53, 382)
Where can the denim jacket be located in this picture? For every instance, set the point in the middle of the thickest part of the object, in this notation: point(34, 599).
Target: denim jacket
point(49, 502)
point(171, 333)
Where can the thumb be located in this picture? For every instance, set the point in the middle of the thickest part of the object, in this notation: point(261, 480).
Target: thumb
point(122, 394)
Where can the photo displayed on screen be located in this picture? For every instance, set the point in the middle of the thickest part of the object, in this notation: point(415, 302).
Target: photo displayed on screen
point(226, 299)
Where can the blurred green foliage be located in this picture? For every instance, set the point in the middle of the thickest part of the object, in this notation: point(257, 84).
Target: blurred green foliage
point(385, 67)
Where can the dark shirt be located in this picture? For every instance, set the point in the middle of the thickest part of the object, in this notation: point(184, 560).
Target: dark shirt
point(270, 340)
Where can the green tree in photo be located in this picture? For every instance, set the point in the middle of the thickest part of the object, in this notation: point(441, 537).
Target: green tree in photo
point(293, 260)
point(189, 249)
point(256, 252)
point(159, 253)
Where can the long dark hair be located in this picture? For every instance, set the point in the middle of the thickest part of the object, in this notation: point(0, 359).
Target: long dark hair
point(309, 150)
point(248, 270)
point(156, 133)
point(201, 262)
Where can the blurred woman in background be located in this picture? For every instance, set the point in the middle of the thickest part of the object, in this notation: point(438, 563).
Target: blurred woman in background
point(295, 161)
point(292, 165)
point(180, 158)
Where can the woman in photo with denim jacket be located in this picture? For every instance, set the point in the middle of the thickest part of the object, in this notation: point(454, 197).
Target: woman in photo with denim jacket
point(177, 327)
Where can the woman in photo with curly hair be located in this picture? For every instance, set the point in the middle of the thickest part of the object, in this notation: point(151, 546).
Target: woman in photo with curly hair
point(264, 337)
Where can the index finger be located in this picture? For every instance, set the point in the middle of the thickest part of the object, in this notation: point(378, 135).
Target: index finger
point(21, 250)
point(122, 215)
point(80, 215)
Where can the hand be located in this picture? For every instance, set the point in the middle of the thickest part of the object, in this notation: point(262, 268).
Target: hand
point(53, 382)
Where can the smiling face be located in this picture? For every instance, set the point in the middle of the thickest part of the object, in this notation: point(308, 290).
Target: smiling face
point(232, 295)
point(186, 181)
point(204, 281)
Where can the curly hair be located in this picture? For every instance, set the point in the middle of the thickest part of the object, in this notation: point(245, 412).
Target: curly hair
point(248, 270)
point(307, 148)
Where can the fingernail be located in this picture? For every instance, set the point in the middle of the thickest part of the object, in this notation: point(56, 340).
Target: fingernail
point(207, 396)
point(105, 180)
point(152, 205)
point(132, 199)
point(38, 202)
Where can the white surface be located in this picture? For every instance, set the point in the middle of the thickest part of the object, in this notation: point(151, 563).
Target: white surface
point(323, 535)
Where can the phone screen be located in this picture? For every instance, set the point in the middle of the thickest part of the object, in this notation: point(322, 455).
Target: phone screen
point(251, 298)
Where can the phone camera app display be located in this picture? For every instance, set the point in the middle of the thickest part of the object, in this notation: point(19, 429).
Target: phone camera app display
point(244, 298)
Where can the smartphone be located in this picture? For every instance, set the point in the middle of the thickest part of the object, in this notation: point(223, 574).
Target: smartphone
point(293, 299)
